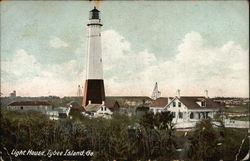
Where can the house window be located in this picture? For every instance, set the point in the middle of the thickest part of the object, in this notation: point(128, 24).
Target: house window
point(180, 115)
point(105, 108)
point(179, 104)
point(21, 108)
point(102, 109)
point(203, 103)
point(206, 116)
point(173, 113)
point(174, 104)
point(191, 115)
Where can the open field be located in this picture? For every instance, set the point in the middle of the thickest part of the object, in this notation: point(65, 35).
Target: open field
point(237, 109)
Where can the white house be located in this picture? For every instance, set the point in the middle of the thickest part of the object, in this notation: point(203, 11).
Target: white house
point(98, 110)
point(159, 104)
point(192, 108)
point(38, 106)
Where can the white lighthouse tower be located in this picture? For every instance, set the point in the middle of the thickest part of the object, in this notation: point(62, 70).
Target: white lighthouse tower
point(94, 86)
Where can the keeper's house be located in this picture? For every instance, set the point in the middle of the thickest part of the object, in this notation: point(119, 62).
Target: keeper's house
point(37, 106)
point(104, 110)
point(192, 108)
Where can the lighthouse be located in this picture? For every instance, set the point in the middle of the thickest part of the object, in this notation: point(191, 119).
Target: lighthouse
point(94, 92)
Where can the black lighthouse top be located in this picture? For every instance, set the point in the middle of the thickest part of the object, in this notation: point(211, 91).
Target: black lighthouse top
point(94, 14)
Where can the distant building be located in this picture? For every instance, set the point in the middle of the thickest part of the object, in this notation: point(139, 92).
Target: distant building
point(13, 94)
point(63, 112)
point(135, 100)
point(38, 106)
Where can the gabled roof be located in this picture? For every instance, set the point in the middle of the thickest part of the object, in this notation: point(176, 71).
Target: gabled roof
point(31, 103)
point(191, 102)
point(110, 103)
point(93, 107)
point(159, 102)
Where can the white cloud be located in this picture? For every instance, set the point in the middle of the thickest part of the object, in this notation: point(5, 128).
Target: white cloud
point(196, 67)
point(21, 64)
point(58, 43)
point(31, 78)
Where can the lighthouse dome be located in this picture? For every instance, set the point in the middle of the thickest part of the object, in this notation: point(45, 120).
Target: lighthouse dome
point(94, 14)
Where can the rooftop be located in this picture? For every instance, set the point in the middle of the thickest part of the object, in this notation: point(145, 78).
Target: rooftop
point(191, 102)
point(159, 102)
point(31, 103)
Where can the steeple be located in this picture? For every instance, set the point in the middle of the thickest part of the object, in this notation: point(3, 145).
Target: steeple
point(156, 93)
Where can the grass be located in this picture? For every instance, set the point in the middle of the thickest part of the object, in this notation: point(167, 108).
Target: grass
point(242, 118)
point(240, 109)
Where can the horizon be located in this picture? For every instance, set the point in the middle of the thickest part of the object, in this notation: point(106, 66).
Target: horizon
point(186, 45)
point(128, 96)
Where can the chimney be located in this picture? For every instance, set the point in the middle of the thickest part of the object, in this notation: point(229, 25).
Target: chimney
point(206, 93)
point(103, 102)
point(89, 101)
point(178, 93)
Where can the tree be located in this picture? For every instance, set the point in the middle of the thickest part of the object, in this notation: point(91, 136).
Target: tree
point(157, 135)
point(204, 143)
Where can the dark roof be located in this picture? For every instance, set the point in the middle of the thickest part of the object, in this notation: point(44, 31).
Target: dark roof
point(95, 10)
point(130, 97)
point(111, 104)
point(30, 103)
point(191, 102)
point(159, 102)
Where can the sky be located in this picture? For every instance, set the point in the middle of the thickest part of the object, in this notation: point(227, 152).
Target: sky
point(186, 45)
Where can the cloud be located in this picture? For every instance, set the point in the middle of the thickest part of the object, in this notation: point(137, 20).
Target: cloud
point(31, 78)
point(58, 43)
point(196, 67)
point(21, 64)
